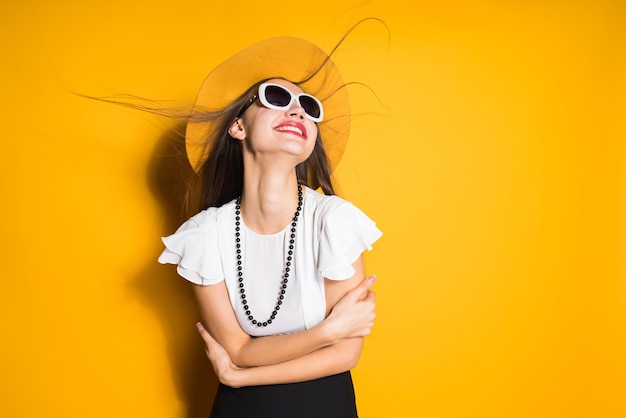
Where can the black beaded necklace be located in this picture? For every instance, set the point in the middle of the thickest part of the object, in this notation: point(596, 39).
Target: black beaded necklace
point(283, 286)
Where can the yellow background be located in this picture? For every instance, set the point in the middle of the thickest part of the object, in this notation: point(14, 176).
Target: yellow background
point(495, 163)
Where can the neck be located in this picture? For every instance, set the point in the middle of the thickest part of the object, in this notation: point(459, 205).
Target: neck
point(269, 200)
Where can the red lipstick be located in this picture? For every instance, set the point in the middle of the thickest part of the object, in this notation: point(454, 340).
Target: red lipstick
point(293, 127)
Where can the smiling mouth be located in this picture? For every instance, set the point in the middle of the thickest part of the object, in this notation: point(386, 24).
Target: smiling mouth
point(289, 128)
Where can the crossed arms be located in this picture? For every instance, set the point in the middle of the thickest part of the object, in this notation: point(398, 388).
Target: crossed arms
point(333, 346)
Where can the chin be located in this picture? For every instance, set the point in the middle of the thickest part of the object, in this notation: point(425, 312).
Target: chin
point(299, 151)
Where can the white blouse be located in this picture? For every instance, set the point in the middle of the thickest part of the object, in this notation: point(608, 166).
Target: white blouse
point(331, 234)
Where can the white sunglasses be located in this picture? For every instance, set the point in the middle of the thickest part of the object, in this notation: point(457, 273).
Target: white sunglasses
point(277, 97)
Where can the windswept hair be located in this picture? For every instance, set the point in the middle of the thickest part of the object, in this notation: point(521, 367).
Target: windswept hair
point(220, 176)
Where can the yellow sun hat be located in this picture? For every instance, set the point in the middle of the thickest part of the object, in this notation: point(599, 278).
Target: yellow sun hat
point(289, 58)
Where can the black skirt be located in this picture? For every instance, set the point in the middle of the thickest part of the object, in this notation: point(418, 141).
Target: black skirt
point(328, 397)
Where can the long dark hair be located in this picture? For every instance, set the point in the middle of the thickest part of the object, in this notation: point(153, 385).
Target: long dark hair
point(221, 173)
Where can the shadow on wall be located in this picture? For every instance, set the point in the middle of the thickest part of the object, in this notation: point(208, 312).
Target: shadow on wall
point(167, 294)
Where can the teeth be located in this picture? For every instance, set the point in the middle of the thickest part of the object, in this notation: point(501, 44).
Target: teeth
point(290, 128)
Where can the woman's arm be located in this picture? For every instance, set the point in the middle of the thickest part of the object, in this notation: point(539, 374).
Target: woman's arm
point(350, 317)
point(326, 361)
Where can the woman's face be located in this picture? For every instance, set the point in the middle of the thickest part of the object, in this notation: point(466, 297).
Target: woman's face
point(271, 132)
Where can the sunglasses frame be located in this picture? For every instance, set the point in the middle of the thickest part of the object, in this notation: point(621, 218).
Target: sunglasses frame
point(263, 99)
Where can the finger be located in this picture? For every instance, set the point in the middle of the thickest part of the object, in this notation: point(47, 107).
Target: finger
point(204, 333)
point(360, 292)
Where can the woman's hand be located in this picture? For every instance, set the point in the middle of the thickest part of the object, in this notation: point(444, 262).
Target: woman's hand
point(353, 315)
point(223, 366)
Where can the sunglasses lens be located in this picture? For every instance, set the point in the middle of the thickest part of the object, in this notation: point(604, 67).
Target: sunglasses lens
point(310, 106)
point(277, 96)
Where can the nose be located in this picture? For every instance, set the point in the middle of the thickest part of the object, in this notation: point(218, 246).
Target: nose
point(296, 110)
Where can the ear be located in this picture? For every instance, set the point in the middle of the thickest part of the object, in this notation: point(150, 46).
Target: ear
point(237, 130)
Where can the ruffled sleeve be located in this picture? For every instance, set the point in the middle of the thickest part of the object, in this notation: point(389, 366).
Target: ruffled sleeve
point(345, 233)
point(194, 248)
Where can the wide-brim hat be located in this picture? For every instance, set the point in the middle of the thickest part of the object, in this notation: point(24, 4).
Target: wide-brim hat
point(289, 58)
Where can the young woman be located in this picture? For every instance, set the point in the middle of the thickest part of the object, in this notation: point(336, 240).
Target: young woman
point(276, 266)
